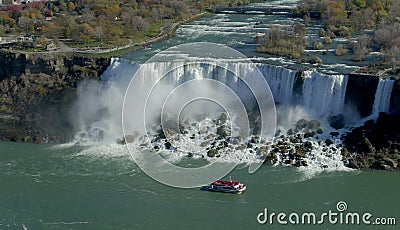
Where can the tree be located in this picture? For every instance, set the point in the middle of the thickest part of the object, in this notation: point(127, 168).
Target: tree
point(139, 24)
point(384, 36)
point(127, 16)
point(360, 47)
point(394, 10)
point(71, 6)
point(394, 55)
point(156, 14)
point(335, 13)
point(86, 32)
point(6, 20)
point(63, 6)
point(50, 30)
point(88, 15)
point(112, 12)
point(15, 11)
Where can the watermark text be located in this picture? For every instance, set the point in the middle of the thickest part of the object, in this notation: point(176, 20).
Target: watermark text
point(338, 216)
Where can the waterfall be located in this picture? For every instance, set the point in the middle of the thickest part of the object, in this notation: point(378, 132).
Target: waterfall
point(324, 94)
point(281, 81)
point(100, 103)
point(382, 97)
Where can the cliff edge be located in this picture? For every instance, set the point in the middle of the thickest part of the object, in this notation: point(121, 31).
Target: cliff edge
point(36, 91)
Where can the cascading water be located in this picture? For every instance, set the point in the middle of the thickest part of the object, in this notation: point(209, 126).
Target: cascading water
point(281, 81)
point(382, 97)
point(324, 94)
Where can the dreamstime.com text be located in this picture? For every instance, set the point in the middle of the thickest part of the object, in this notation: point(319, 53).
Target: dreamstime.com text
point(338, 216)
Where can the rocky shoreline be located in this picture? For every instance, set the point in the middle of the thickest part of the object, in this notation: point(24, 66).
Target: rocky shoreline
point(36, 93)
point(377, 144)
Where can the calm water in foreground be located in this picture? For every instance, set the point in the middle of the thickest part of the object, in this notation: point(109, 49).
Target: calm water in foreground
point(55, 187)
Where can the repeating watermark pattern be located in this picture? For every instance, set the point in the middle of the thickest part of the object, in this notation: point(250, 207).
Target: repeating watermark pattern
point(172, 80)
point(340, 216)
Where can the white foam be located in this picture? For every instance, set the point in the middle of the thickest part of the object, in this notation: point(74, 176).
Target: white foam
point(322, 93)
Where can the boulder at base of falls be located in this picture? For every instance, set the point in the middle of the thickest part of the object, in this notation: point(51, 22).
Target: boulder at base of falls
point(328, 142)
point(221, 131)
point(301, 124)
point(313, 125)
point(212, 153)
point(337, 122)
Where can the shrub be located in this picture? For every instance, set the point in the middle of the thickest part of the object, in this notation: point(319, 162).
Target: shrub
point(322, 33)
point(327, 40)
point(318, 45)
point(344, 31)
point(340, 50)
point(4, 109)
point(316, 60)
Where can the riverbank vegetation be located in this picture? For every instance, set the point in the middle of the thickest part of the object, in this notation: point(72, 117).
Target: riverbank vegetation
point(285, 41)
point(369, 25)
point(365, 25)
point(105, 23)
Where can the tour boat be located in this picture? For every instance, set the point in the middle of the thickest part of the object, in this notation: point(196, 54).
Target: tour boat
point(227, 186)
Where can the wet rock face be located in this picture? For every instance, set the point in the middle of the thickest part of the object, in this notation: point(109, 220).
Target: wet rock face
point(337, 122)
point(38, 88)
point(376, 145)
point(395, 99)
point(69, 67)
point(361, 92)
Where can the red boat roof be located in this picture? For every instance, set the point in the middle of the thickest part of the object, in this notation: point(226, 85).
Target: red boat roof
point(225, 182)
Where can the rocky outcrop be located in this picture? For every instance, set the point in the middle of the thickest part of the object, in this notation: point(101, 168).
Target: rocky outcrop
point(395, 99)
point(36, 91)
point(360, 92)
point(376, 144)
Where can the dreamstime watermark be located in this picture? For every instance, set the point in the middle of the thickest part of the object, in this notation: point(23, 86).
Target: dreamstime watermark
point(172, 80)
point(338, 216)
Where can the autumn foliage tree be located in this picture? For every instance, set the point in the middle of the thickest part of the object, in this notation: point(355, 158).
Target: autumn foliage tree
point(346, 18)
